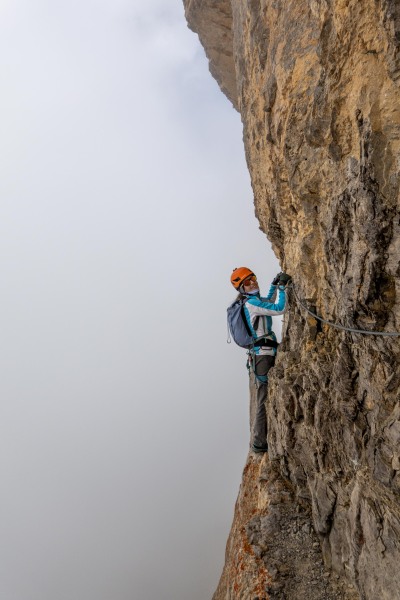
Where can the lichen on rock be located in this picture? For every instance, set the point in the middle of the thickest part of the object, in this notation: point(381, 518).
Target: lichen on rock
point(317, 86)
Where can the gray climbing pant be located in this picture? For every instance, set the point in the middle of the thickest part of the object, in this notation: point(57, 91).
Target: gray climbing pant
point(259, 430)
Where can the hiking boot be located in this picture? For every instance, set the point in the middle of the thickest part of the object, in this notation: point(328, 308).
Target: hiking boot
point(259, 448)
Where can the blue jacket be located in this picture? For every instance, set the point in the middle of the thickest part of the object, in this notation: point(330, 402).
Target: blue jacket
point(265, 308)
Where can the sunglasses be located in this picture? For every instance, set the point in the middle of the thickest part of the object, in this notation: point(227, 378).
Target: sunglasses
point(251, 279)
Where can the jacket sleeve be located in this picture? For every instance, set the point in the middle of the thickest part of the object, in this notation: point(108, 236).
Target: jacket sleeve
point(261, 307)
point(271, 296)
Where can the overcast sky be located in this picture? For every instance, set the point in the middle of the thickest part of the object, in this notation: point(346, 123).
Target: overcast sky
point(125, 205)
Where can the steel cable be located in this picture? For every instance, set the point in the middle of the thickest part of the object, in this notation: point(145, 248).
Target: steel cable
point(336, 325)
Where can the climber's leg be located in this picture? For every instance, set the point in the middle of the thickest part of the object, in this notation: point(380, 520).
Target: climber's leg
point(262, 365)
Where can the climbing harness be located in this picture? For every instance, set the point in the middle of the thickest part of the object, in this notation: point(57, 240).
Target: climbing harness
point(336, 325)
point(251, 366)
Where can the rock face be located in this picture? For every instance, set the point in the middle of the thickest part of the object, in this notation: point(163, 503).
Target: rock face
point(317, 86)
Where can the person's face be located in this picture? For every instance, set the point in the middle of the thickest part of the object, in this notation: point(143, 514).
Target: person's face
point(250, 284)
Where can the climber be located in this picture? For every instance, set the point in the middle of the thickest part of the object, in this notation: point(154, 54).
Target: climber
point(258, 312)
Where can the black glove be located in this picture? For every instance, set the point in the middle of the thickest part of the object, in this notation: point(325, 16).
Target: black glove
point(275, 280)
point(284, 279)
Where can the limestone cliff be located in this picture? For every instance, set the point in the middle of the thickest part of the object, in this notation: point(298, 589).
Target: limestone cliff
point(317, 86)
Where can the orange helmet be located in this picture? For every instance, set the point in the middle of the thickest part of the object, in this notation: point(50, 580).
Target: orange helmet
point(239, 275)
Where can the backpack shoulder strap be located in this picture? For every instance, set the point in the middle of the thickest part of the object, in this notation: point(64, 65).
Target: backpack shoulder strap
point(256, 321)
